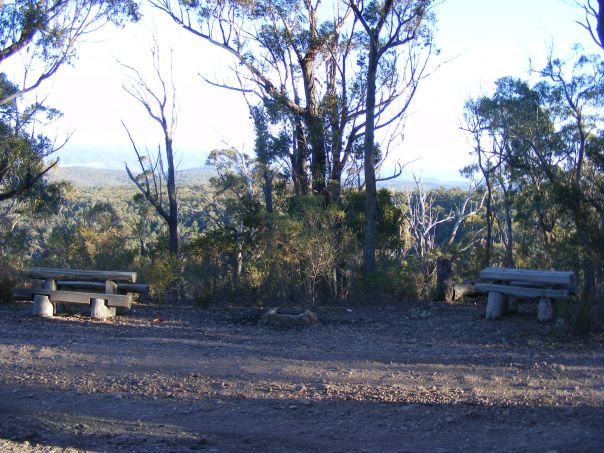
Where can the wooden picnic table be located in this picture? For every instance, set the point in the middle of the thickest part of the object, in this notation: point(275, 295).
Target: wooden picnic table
point(541, 285)
point(104, 290)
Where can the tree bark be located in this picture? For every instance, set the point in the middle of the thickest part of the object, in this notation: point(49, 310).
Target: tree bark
point(172, 200)
point(370, 240)
point(444, 283)
point(509, 246)
point(298, 159)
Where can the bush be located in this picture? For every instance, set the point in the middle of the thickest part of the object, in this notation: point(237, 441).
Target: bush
point(163, 273)
point(10, 267)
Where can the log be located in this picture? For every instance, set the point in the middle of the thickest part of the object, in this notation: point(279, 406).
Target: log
point(465, 288)
point(74, 274)
point(73, 297)
point(528, 275)
point(518, 291)
point(495, 305)
point(100, 286)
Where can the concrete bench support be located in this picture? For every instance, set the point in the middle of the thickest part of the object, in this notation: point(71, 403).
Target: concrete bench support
point(99, 309)
point(495, 305)
point(545, 309)
point(43, 307)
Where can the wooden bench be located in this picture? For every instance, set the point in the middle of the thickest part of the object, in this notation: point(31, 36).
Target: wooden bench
point(104, 291)
point(524, 284)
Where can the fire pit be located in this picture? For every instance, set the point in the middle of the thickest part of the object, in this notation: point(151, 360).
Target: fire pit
point(288, 318)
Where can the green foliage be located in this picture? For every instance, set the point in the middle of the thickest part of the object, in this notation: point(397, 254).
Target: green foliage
point(163, 272)
point(10, 268)
point(392, 282)
point(389, 218)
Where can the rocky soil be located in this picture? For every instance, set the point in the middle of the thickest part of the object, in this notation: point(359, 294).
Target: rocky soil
point(410, 377)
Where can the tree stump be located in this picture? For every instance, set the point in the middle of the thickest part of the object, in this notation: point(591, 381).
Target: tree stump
point(445, 287)
point(495, 305)
point(545, 309)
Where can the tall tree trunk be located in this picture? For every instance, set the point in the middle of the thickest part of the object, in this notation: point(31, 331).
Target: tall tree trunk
point(369, 243)
point(268, 189)
point(298, 159)
point(172, 200)
point(314, 125)
point(509, 246)
point(489, 218)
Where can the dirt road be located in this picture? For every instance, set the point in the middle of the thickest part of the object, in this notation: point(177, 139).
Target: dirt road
point(414, 377)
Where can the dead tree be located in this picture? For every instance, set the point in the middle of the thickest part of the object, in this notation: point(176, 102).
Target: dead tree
point(157, 177)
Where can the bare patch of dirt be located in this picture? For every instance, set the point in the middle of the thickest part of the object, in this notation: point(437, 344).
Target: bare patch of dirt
point(411, 377)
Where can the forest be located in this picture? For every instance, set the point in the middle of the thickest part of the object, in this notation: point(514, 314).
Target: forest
point(307, 219)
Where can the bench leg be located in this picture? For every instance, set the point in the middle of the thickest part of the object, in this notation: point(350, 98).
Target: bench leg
point(495, 305)
point(98, 309)
point(43, 307)
point(545, 309)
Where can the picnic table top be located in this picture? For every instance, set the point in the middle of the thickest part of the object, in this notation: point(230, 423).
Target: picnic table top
point(528, 275)
point(75, 274)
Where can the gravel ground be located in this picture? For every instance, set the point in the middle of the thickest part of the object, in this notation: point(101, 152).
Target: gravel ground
point(410, 377)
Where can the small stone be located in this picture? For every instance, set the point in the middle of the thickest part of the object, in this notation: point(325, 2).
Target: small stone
point(471, 415)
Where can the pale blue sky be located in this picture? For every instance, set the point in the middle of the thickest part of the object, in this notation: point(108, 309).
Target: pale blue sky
point(484, 39)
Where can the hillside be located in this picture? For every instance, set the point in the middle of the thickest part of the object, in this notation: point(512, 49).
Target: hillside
point(82, 177)
point(100, 177)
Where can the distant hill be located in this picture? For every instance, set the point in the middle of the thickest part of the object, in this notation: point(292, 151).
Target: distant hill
point(401, 183)
point(102, 177)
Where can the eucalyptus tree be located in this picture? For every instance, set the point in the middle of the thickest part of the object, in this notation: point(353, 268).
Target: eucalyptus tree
point(594, 20)
point(22, 149)
point(36, 39)
point(157, 177)
point(45, 33)
point(299, 57)
point(510, 130)
point(574, 93)
point(277, 47)
point(395, 33)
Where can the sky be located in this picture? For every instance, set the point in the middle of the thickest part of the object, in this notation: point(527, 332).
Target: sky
point(479, 41)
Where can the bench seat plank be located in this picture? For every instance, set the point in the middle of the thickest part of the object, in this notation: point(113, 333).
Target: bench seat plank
point(74, 274)
point(72, 297)
point(528, 275)
point(523, 291)
point(100, 286)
